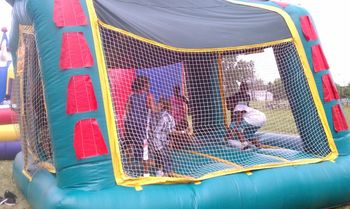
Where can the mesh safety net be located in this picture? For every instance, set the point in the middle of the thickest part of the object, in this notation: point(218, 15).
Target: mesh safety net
point(194, 113)
point(29, 103)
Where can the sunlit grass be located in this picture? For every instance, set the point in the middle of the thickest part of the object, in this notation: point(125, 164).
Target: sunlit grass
point(347, 113)
point(279, 119)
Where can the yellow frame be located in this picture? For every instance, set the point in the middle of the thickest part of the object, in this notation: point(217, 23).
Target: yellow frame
point(125, 180)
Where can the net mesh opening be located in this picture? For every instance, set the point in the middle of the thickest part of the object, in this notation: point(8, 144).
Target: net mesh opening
point(192, 114)
point(29, 103)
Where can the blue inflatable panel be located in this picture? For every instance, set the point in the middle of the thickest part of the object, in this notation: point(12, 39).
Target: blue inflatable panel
point(321, 185)
point(3, 77)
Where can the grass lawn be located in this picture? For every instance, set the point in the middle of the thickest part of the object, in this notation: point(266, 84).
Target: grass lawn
point(7, 183)
point(347, 113)
point(280, 120)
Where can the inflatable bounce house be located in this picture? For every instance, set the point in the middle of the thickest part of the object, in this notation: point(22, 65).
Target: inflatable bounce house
point(175, 104)
point(9, 143)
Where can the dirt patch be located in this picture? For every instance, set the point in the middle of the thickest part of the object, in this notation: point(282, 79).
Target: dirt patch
point(7, 183)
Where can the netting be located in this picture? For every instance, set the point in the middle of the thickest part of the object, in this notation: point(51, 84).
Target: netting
point(193, 114)
point(30, 105)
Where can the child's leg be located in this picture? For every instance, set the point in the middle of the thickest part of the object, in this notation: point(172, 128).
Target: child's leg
point(128, 152)
point(167, 160)
point(145, 158)
point(159, 162)
point(250, 134)
point(237, 131)
point(256, 142)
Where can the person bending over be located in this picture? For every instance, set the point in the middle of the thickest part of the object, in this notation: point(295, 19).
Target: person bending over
point(245, 124)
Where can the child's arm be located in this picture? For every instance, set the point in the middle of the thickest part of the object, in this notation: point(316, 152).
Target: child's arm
point(128, 107)
point(240, 135)
point(185, 99)
point(228, 134)
point(150, 103)
point(238, 130)
point(239, 117)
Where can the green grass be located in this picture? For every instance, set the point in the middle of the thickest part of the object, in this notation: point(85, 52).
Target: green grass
point(280, 120)
point(347, 113)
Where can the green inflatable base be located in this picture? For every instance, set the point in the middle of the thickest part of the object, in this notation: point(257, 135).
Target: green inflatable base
point(321, 185)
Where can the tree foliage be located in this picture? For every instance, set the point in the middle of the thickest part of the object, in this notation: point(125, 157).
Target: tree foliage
point(235, 71)
point(344, 91)
point(278, 90)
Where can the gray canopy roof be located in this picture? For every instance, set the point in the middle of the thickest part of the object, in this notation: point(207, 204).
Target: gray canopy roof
point(194, 23)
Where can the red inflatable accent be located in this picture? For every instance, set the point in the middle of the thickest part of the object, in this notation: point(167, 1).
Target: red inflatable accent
point(308, 28)
point(75, 52)
point(318, 59)
point(81, 95)
point(330, 91)
point(68, 13)
point(88, 139)
point(7, 116)
point(339, 120)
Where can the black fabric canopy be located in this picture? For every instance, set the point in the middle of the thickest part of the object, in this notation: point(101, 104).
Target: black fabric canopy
point(194, 23)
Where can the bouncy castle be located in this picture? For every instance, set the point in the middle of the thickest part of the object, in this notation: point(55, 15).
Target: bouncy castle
point(134, 104)
point(9, 143)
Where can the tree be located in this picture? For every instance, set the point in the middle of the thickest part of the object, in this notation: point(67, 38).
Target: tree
point(258, 84)
point(235, 71)
point(344, 91)
point(277, 89)
point(340, 90)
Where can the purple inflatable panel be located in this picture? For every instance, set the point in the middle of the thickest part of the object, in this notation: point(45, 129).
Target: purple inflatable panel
point(9, 150)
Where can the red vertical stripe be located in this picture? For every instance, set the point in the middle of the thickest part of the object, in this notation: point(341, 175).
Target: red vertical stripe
point(319, 60)
point(68, 13)
point(308, 28)
point(88, 139)
point(330, 91)
point(81, 95)
point(339, 120)
point(75, 52)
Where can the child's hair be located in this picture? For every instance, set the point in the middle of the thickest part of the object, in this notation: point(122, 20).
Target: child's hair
point(165, 104)
point(140, 83)
point(176, 90)
point(243, 86)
